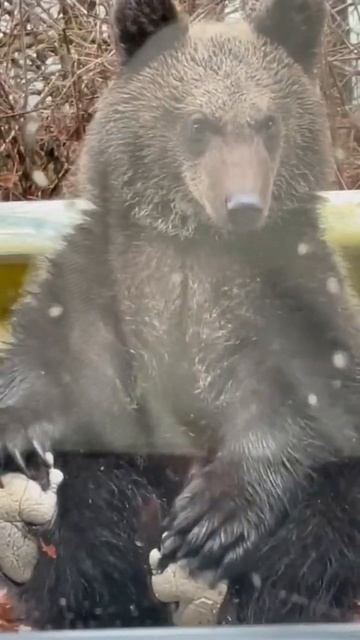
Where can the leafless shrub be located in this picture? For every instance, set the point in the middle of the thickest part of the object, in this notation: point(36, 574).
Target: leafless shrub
point(57, 56)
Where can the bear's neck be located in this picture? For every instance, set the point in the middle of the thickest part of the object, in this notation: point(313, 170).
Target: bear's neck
point(281, 242)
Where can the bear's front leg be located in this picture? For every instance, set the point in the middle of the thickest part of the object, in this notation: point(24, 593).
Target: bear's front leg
point(222, 513)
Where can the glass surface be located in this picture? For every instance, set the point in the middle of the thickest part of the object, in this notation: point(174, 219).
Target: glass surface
point(179, 318)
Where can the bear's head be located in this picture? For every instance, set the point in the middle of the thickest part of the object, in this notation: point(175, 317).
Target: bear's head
point(213, 124)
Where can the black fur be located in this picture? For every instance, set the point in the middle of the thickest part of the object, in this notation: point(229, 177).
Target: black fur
point(104, 532)
point(309, 571)
point(134, 24)
point(298, 30)
point(226, 347)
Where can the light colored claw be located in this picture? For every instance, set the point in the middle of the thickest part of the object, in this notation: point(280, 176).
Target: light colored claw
point(15, 453)
point(38, 448)
point(55, 479)
point(49, 459)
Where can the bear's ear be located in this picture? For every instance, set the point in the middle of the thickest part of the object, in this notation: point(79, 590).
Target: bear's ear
point(134, 22)
point(296, 25)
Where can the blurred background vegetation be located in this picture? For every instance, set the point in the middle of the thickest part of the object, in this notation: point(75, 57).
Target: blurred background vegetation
point(56, 55)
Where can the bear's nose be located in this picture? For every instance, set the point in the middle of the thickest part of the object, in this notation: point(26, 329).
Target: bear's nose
point(240, 202)
point(244, 210)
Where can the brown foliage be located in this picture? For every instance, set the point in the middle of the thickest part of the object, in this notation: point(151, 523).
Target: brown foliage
point(57, 56)
point(8, 619)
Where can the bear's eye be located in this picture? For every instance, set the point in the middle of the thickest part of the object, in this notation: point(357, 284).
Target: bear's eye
point(268, 123)
point(199, 131)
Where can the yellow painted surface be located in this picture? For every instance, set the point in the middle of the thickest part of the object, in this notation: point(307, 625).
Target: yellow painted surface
point(11, 281)
point(341, 224)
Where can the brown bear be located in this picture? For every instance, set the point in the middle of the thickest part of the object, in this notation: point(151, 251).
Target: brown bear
point(188, 318)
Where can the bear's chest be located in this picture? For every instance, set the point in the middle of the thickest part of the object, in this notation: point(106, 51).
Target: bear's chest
point(184, 322)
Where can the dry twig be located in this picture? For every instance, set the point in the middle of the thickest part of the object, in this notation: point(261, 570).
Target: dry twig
point(57, 56)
